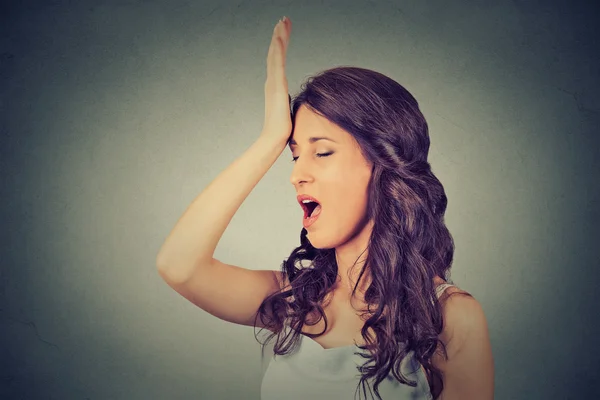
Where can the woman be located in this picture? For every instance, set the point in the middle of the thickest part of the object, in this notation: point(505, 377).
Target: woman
point(370, 305)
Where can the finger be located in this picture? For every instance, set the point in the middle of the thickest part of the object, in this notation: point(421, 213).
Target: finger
point(279, 54)
point(286, 29)
point(272, 49)
point(274, 61)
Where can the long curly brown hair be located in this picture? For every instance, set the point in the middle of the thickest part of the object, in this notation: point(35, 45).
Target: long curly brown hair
point(409, 244)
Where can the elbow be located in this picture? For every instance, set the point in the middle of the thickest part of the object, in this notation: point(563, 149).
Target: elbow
point(175, 274)
point(168, 273)
point(180, 272)
point(171, 275)
point(166, 268)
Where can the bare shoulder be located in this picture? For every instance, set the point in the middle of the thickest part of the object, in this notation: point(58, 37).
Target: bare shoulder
point(463, 318)
point(468, 369)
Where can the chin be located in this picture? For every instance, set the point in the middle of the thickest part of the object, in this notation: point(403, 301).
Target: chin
point(320, 243)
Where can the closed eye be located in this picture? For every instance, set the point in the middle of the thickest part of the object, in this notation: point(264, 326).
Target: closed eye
point(318, 155)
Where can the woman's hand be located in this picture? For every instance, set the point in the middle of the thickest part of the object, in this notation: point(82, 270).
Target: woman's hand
point(278, 122)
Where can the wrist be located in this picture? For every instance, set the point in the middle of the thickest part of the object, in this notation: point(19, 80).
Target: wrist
point(277, 142)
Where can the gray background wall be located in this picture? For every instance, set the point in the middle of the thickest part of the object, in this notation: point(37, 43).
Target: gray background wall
point(116, 114)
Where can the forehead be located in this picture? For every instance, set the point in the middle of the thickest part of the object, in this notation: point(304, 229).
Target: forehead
point(310, 127)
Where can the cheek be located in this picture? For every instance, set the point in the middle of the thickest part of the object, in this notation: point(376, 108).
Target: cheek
point(350, 198)
point(346, 184)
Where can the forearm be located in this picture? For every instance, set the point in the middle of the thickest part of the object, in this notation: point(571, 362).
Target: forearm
point(194, 238)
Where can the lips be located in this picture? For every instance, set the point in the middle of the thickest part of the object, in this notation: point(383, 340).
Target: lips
point(308, 207)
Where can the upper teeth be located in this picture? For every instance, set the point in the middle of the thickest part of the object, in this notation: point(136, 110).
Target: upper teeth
point(307, 201)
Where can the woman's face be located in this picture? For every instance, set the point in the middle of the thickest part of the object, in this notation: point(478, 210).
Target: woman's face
point(338, 180)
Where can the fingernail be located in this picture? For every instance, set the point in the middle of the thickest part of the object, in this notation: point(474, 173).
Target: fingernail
point(284, 18)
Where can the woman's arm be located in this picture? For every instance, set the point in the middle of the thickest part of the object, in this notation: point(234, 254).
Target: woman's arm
point(193, 240)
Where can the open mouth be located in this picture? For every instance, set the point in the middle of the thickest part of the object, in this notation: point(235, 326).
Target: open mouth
point(311, 208)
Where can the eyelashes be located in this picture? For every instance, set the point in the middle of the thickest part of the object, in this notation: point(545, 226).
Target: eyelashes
point(318, 155)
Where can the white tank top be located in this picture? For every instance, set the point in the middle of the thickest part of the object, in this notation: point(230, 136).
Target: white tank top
point(312, 372)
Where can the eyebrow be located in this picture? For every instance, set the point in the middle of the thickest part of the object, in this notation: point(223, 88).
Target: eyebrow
point(313, 139)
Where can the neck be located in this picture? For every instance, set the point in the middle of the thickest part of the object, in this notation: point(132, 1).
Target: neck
point(351, 258)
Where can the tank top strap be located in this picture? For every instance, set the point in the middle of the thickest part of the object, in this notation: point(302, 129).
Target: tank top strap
point(442, 288)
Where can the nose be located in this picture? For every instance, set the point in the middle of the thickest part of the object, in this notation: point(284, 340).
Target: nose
point(300, 172)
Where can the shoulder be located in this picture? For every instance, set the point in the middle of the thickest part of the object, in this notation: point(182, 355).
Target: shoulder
point(468, 370)
point(463, 317)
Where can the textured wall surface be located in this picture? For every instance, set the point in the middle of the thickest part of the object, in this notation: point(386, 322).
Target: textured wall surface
point(116, 114)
